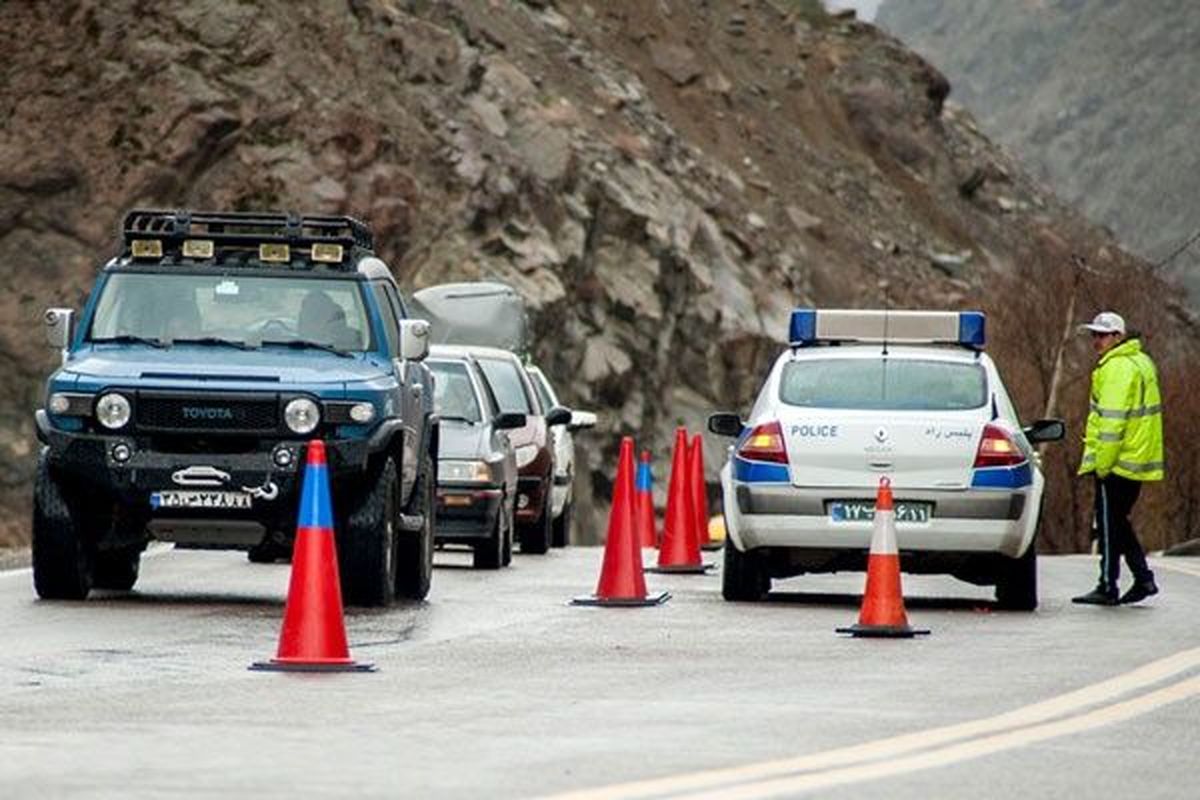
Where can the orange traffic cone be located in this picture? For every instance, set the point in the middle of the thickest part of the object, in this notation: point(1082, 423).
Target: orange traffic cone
point(313, 638)
point(882, 613)
point(621, 580)
point(643, 503)
point(699, 491)
point(679, 551)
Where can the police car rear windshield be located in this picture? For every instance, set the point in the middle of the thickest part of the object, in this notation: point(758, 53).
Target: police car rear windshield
point(243, 311)
point(883, 384)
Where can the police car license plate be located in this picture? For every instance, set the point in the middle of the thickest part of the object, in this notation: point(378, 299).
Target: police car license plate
point(864, 511)
point(200, 499)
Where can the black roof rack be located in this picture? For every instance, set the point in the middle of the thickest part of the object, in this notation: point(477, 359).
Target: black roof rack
point(240, 228)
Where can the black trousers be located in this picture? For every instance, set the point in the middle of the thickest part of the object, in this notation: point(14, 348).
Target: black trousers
point(1115, 497)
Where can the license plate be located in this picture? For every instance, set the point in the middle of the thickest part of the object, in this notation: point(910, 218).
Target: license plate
point(200, 499)
point(864, 511)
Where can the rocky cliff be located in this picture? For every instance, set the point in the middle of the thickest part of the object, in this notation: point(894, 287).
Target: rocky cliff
point(663, 181)
point(1098, 97)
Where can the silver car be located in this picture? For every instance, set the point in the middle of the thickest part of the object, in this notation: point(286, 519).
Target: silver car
point(864, 394)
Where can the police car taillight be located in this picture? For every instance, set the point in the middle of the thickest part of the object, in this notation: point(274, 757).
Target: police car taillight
point(765, 443)
point(998, 449)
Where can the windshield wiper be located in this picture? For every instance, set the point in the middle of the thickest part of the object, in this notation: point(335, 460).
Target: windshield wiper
point(129, 338)
point(308, 344)
point(215, 340)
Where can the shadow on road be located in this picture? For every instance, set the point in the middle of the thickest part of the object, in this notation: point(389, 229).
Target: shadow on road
point(855, 600)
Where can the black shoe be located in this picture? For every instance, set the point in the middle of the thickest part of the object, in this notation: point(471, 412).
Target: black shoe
point(1100, 596)
point(1140, 591)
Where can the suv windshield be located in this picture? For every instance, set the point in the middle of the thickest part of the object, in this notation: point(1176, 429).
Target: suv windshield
point(167, 308)
point(453, 394)
point(505, 380)
point(883, 385)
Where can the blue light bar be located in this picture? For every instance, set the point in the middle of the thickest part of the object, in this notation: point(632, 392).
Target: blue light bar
point(812, 326)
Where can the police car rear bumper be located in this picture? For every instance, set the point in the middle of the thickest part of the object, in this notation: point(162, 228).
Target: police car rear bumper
point(961, 521)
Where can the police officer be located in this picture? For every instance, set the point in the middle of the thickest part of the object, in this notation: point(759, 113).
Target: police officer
point(1123, 447)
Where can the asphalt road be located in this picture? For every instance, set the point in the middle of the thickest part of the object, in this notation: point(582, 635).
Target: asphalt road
point(495, 687)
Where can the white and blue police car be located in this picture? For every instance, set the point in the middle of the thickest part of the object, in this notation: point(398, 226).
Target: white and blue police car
point(862, 394)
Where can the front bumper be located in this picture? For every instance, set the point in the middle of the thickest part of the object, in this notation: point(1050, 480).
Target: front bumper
point(467, 513)
point(87, 462)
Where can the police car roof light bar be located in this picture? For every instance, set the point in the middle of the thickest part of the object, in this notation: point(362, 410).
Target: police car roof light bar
point(244, 229)
point(810, 326)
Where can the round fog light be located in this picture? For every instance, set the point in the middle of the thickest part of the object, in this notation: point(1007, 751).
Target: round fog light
point(362, 413)
point(283, 457)
point(523, 501)
point(121, 453)
point(59, 404)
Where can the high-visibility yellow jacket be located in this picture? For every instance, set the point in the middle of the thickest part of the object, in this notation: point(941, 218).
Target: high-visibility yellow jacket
point(1124, 426)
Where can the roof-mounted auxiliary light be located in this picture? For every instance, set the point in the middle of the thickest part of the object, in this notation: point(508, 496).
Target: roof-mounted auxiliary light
point(198, 248)
point(810, 326)
point(274, 253)
point(146, 248)
point(327, 253)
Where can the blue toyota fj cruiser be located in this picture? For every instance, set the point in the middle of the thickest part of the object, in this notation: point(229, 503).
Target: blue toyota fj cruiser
point(210, 350)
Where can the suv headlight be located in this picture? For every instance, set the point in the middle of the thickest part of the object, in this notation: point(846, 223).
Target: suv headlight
point(526, 453)
point(464, 472)
point(301, 415)
point(113, 411)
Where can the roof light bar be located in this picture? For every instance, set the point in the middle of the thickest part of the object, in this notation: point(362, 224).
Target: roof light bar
point(811, 326)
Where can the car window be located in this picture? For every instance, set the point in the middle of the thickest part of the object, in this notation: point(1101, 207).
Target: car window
point(390, 327)
point(543, 389)
point(504, 377)
point(886, 384)
point(453, 392)
point(490, 407)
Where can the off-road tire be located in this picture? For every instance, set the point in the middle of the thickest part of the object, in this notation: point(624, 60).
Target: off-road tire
point(489, 553)
point(535, 537)
point(562, 526)
point(744, 575)
point(62, 560)
point(117, 569)
point(414, 550)
point(1016, 581)
point(367, 542)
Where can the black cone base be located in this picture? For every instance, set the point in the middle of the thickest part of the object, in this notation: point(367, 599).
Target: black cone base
point(290, 666)
point(682, 569)
point(622, 602)
point(883, 631)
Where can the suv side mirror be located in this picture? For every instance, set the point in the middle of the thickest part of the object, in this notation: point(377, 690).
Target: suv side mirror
point(725, 424)
point(1046, 430)
point(414, 339)
point(558, 416)
point(59, 324)
point(508, 421)
point(581, 420)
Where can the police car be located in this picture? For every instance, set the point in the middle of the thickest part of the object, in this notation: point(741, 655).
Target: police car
point(864, 394)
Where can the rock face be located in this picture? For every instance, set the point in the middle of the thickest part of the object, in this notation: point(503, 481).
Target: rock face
point(662, 181)
point(1098, 97)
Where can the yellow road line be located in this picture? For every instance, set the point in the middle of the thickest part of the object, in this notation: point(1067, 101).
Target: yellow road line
point(963, 751)
point(891, 747)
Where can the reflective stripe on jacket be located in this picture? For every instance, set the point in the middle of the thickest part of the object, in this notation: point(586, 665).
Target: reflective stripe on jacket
point(1124, 426)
